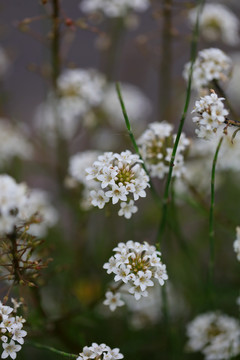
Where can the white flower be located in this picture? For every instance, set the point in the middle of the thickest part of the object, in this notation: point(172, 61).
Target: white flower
point(215, 334)
point(217, 22)
point(156, 146)
point(137, 265)
point(121, 177)
point(210, 115)
point(127, 209)
point(113, 8)
point(99, 352)
point(79, 162)
point(10, 350)
point(113, 300)
point(211, 64)
point(78, 91)
point(98, 198)
point(236, 244)
point(13, 143)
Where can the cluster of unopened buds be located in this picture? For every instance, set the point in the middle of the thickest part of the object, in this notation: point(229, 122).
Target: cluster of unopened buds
point(121, 178)
point(156, 147)
point(136, 265)
point(11, 327)
point(99, 352)
point(210, 115)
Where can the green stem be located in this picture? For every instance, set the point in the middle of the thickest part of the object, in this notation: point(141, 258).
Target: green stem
point(49, 348)
point(136, 148)
point(211, 220)
point(166, 198)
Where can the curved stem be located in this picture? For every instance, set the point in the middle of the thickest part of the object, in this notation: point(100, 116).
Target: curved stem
point(49, 348)
point(211, 221)
point(166, 198)
point(129, 128)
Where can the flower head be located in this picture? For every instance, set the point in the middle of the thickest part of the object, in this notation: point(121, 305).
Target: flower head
point(138, 265)
point(100, 352)
point(211, 64)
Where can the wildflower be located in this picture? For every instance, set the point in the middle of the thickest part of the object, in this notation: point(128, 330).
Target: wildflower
point(217, 22)
point(113, 8)
point(113, 300)
point(100, 352)
point(13, 143)
point(210, 114)
point(10, 350)
point(236, 244)
point(211, 64)
point(79, 90)
point(138, 266)
point(156, 146)
point(216, 335)
point(127, 209)
point(12, 328)
point(120, 177)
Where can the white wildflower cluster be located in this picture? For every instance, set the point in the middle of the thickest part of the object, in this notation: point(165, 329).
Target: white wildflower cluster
point(210, 114)
point(211, 64)
point(99, 352)
point(4, 62)
point(236, 244)
point(217, 22)
point(114, 8)
point(216, 335)
point(121, 178)
point(156, 146)
point(11, 328)
point(135, 264)
point(18, 206)
point(78, 91)
point(13, 143)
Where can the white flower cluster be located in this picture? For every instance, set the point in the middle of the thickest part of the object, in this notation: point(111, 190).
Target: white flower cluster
point(121, 178)
point(78, 91)
point(156, 146)
point(217, 22)
point(210, 114)
point(13, 143)
point(236, 244)
point(216, 335)
point(114, 8)
point(11, 328)
point(99, 352)
point(19, 205)
point(137, 265)
point(211, 64)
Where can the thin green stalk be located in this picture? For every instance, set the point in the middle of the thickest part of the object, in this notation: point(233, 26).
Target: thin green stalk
point(49, 348)
point(166, 199)
point(136, 148)
point(211, 221)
